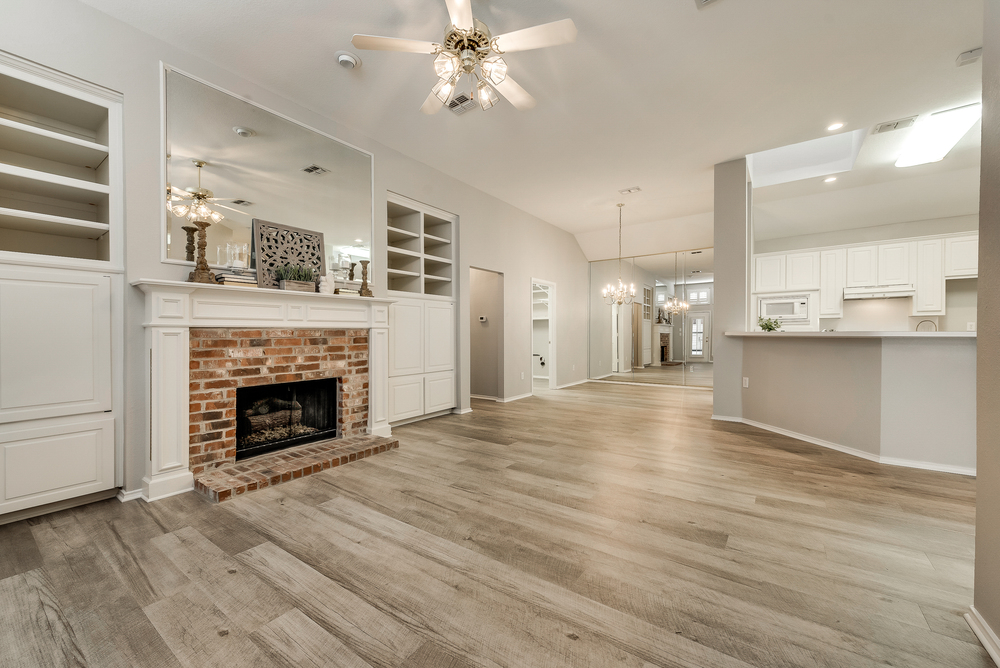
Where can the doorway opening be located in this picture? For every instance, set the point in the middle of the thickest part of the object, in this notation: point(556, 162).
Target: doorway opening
point(543, 335)
point(486, 338)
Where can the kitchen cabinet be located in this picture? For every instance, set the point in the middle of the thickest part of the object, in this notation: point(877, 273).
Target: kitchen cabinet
point(929, 297)
point(961, 257)
point(833, 279)
point(894, 264)
point(802, 271)
point(421, 358)
point(769, 273)
point(862, 266)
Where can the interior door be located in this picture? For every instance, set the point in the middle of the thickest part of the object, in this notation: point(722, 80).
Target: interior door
point(647, 325)
point(699, 336)
point(637, 334)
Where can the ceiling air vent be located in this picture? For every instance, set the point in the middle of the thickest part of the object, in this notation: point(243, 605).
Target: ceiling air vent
point(315, 170)
point(241, 202)
point(461, 103)
point(969, 57)
point(894, 125)
point(702, 3)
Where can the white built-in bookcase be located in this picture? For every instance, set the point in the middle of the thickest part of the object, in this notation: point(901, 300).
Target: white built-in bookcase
point(61, 288)
point(420, 248)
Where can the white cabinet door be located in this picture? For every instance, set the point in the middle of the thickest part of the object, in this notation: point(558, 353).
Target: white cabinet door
point(802, 271)
point(769, 273)
point(439, 391)
point(44, 461)
point(961, 257)
point(833, 278)
point(406, 349)
point(55, 343)
point(406, 397)
point(929, 298)
point(439, 337)
point(894, 264)
point(862, 266)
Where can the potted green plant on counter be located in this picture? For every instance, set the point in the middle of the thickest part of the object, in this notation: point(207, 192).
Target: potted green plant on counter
point(297, 277)
point(768, 324)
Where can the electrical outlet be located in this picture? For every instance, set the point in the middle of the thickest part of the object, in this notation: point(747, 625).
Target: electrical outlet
point(522, 375)
point(746, 382)
point(970, 326)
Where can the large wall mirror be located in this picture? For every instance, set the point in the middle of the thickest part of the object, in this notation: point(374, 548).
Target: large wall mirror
point(263, 166)
point(643, 342)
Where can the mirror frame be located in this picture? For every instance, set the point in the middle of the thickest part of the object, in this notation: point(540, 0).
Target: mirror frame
point(164, 69)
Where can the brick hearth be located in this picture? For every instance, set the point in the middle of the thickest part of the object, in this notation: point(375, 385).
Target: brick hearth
point(226, 482)
point(222, 360)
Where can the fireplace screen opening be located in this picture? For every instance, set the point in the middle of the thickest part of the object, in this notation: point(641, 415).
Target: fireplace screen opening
point(273, 417)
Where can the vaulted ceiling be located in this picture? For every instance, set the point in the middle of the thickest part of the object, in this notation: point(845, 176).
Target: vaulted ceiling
point(652, 94)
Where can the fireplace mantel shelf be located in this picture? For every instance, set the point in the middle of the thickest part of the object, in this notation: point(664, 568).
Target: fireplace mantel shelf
point(173, 308)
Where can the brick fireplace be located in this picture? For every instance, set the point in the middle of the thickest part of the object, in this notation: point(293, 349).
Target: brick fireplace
point(224, 361)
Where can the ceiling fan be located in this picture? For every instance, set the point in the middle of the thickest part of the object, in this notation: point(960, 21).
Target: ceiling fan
point(468, 46)
point(191, 203)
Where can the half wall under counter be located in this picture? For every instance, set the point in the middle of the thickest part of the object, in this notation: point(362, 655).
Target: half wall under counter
point(901, 398)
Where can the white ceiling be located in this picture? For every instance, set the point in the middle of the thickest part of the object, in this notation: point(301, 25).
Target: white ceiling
point(653, 93)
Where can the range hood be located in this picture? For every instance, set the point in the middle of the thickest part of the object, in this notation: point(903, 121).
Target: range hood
point(880, 292)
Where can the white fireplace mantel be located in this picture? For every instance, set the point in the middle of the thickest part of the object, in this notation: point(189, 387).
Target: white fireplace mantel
point(174, 307)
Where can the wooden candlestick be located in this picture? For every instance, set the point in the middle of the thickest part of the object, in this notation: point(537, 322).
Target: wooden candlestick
point(201, 273)
point(189, 248)
point(366, 291)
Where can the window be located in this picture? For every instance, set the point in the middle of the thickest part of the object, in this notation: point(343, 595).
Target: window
point(699, 294)
point(647, 303)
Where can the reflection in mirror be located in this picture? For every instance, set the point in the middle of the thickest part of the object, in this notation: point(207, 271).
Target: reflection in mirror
point(260, 165)
point(644, 342)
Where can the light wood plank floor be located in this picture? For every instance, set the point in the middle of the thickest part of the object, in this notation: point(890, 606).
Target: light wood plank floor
point(602, 525)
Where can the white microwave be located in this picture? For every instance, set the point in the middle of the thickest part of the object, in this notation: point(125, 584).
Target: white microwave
point(786, 309)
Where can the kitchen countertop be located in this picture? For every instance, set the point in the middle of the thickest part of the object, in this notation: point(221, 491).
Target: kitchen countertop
point(856, 335)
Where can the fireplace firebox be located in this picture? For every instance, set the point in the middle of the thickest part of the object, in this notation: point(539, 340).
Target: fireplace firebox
point(274, 417)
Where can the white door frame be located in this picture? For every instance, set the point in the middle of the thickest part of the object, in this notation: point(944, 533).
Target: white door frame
point(552, 330)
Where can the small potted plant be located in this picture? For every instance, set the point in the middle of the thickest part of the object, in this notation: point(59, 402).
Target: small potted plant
point(297, 277)
point(768, 324)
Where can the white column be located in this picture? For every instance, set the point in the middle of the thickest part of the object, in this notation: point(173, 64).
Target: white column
point(167, 470)
point(378, 372)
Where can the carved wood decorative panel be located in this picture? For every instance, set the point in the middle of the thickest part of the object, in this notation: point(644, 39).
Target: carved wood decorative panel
point(276, 245)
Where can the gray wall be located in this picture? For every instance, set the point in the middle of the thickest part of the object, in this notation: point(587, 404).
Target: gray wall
point(732, 287)
point(917, 228)
point(961, 295)
point(829, 389)
point(987, 587)
point(486, 338)
point(69, 36)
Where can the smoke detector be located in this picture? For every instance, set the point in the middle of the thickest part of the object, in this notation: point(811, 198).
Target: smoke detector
point(244, 132)
point(702, 3)
point(347, 60)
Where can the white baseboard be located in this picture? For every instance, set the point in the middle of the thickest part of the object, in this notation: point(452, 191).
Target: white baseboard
point(578, 382)
point(604, 376)
point(985, 634)
point(726, 418)
point(888, 461)
point(425, 416)
point(507, 400)
point(124, 496)
point(460, 411)
point(483, 397)
point(661, 385)
point(539, 377)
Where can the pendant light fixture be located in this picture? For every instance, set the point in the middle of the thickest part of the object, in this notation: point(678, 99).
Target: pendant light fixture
point(620, 295)
point(673, 306)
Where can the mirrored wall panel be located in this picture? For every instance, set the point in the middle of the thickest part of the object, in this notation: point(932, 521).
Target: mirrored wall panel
point(654, 339)
point(261, 165)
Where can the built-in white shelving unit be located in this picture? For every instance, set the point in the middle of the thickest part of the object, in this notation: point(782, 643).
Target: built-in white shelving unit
point(420, 252)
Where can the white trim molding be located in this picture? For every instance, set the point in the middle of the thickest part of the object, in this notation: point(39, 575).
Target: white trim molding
point(461, 411)
point(573, 384)
point(888, 461)
point(124, 496)
point(174, 307)
point(985, 634)
point(507, 400)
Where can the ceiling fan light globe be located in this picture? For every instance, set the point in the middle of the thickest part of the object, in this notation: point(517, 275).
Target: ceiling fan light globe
point(494, 69)
point(446, 65)
point(180, 210)
point(487, 96)
point(444, 89)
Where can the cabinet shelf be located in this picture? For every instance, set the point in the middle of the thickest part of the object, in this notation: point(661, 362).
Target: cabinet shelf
point(29, 221)
point(432, 277)
point(43, 184)
point(418, 238)
point(41, 143)
point(402, 251)
point(440, 240)
point(433, 259)
point(396, 233)
point(401, 272)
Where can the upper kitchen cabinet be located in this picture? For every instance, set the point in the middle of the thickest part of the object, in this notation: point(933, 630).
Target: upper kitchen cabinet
point(894, 264)
point(961, 257)
point(802, 271)
point(769, 273)
point(929, 296)
point(833, 278)
point(862, 266)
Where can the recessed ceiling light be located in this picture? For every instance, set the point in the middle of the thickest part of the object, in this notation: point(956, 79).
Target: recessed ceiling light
point(244, 132)
point(931, 140)
point(830, 179)
point(359, 241)
point(835, 126)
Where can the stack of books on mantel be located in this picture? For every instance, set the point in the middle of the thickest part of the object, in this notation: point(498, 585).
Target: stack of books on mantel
point(248, 279)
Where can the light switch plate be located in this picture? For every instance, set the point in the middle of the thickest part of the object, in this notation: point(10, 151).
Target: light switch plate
point(970, 326)
point(746, 382)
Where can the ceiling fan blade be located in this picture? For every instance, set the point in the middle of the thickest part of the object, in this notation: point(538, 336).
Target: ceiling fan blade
point(460, 12)
point(223, 206)
point(538, 37)
point(376, 43)
point(517, 96)
point(431, 105)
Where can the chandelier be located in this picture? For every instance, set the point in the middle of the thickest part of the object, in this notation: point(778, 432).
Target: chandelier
point(621, 294)
point(673, 306)
point(192, 202)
